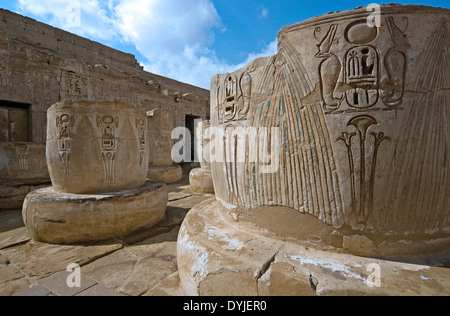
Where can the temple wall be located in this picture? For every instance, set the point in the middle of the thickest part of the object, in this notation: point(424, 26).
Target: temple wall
point(41, 65)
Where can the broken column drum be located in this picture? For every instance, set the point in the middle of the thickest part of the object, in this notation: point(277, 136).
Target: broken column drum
point(161, 166)
point(357, 119)
point(200, 179)
point(97, 154)
point(96, 147)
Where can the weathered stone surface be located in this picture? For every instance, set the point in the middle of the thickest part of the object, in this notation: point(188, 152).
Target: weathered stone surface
point(12, 281)
point(161, 123)
point(346, 123)
point(169, 174)
point(334, 147)
point(282, 279)
point(98, 290)
point(23, 161)
point(96, 147)
point(34, 291)
point(3, 261)
point(216, 258)
point(13, 193)
point(57, 283)
point(104, 262)
point(170, 286)
point(138, 268)
point(37, 260)
point(201, 181)
point(97, 154)
point(9, 273)
point(12, 230)
point(203, 134)
point(213, 261)
point(14, 237)
point(23, 168)
point(42, 65)
point(62, 218)
point(150, 270)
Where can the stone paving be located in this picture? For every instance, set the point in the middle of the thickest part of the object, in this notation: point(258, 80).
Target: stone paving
point(141, 264)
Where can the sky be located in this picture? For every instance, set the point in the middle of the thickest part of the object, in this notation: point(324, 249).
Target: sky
point(186, 40)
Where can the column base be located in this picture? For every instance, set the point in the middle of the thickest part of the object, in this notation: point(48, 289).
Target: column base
point(217, 258)
point(168, 175)
point(201, 181)
point(63, 218)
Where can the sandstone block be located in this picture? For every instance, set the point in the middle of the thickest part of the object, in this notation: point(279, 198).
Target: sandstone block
point(215, 257)
point(168, 175)
point(61, 218)
point(23, 161)
point(95, 147)
point(160, 124)
point(201, 181)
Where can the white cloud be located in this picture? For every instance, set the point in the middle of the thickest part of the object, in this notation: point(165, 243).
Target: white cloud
point(85, 18)
point(175, 36)
point(270, 50)
point(263, 13)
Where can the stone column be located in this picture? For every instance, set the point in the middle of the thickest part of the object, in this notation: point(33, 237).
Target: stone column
point(161, 166)
point(200, 179)
point(97, 155)
point(337, 143)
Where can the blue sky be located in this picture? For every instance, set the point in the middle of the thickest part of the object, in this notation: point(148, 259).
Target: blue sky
point(187, 40)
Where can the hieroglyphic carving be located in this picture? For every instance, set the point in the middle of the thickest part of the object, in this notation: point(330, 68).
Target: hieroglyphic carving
point(22, 157)
point(362, 124)
point(245, 84)
point(331, 66)
point(395, 63)
point(64, 123)
point(235, 104)
point(140, 125)
point(75, 85)
point(357, 78)
point(109, 125)
point(347, 139)
point(361, 74)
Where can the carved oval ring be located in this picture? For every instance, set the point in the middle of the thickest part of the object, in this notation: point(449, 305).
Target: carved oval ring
point(359, 32)
point(108, 119)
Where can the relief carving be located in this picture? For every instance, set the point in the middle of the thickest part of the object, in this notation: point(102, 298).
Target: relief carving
point(362, 77)
point(75, 85)
point(395, 63)
point(141, 127)
point(235, 104)
point(22, 157)
point(109, 125)
point(97, 147)
point(64, 123)
point(362, 125)
point(331, 66)
point(356, 75)
point(361, 115)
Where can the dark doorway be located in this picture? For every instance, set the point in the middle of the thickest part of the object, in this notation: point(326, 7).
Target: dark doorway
point(14, 122)
point(190, 125)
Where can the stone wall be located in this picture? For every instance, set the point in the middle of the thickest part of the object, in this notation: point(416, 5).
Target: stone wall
point(41, 65)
